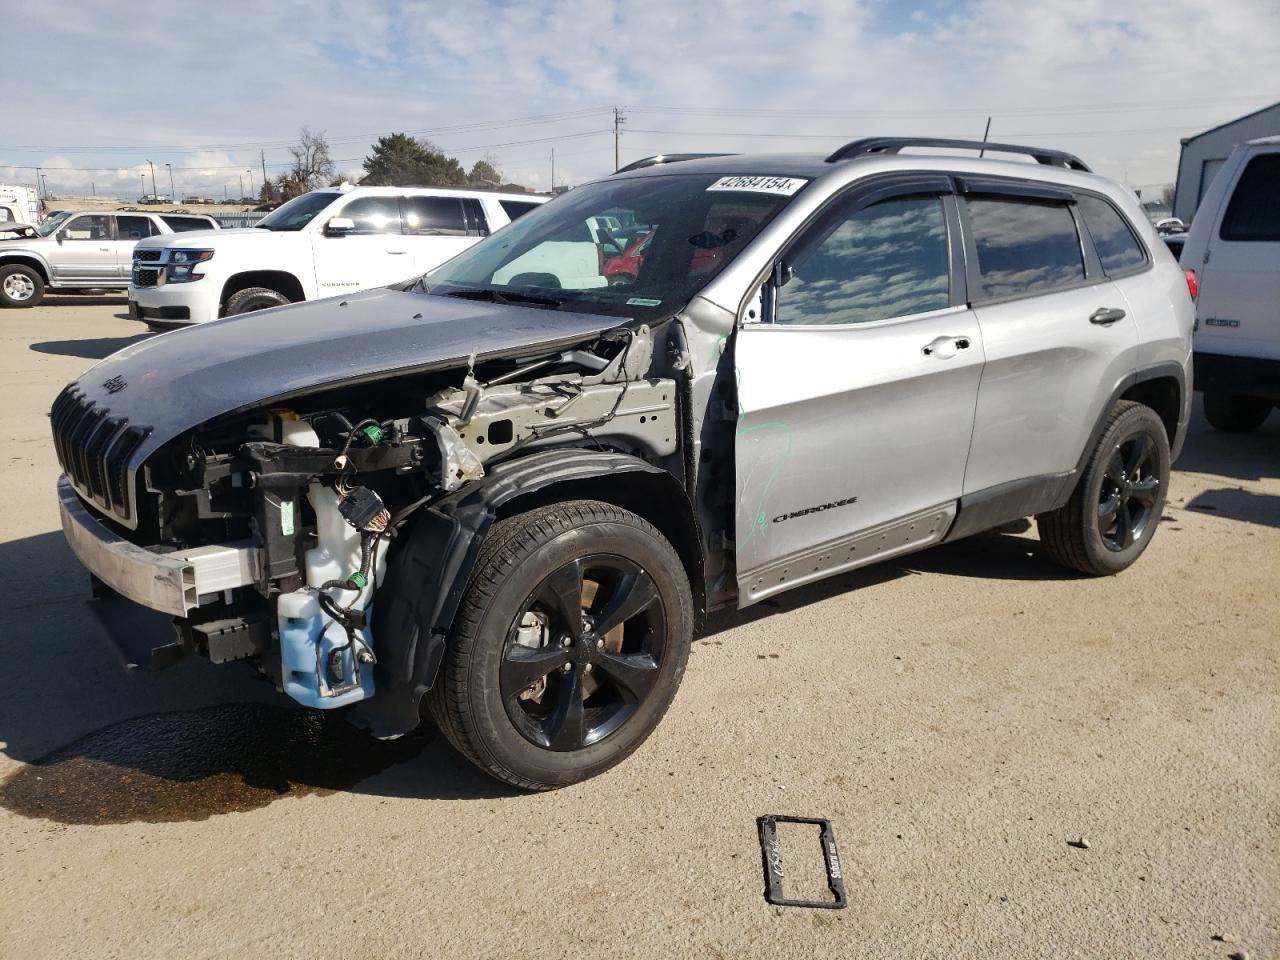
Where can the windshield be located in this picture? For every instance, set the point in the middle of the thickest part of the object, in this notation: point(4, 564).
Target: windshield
point(637, 247)
point(53, 222)
point(298, 212)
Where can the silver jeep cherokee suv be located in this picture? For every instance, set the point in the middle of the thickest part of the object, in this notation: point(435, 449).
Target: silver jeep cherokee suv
point(508, 493)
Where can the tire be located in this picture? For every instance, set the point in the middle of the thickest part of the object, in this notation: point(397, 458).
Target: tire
point(20, 286)
point(506, 633)
point(1235, 414)
point(1116, 506)
point(254, 298)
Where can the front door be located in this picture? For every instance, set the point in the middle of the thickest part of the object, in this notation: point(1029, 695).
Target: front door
point(856, 392)
point(130, 228)
point(87, 250)
point(374, 254)
point(437, 229)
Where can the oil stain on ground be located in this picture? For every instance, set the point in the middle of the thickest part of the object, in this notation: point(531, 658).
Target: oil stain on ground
point(192, 764)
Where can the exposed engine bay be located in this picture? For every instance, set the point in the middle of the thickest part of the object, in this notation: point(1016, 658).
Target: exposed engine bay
point(325, 485)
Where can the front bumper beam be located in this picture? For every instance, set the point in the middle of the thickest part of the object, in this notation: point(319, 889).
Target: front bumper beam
point(173, 583)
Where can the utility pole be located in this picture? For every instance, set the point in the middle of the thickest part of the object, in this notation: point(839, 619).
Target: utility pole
point(144, 187)
point(173, 194)
point(250, 173)
point(618, 120)
point(38, 197)
point(46, 184)
point(153, 179)
point(262, 155)
point(241, 176)
point(93, 189)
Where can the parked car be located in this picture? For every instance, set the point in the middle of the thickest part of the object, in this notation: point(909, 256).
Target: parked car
point(79, 249)
point(322, 243)
point(507, 494)
point(1233, 249)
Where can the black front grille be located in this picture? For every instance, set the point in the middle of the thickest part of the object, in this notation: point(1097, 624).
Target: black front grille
point(94, 449)
point(145, 277)
point(146, 255)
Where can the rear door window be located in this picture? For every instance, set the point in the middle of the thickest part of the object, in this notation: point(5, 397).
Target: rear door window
point(184, 224)
point(1117, 247)
point(515, 209)
point(1253, 215)
point(434, 216)
point(1024, 247)
point(133, 228)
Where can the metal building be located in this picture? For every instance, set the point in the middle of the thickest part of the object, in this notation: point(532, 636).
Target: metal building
point(1203, 155)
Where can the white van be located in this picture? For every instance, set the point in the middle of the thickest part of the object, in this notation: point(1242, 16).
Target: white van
point(19, 204)
point(1233, 250)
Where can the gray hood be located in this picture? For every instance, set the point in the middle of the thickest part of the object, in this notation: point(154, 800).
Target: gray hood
point(182, 379)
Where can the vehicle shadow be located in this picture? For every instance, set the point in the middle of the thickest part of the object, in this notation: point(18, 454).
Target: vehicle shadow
point(87, 300)
point(1236, 504)
point(95, 349)
point(102, 743)
point(1239, 456)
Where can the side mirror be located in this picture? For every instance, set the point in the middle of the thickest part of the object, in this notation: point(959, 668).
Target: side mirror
point(337, 226)
point(60, 236)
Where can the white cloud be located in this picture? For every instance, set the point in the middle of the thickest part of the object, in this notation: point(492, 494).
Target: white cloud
point(256, 72)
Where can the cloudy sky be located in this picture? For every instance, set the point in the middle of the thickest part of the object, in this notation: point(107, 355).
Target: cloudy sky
point(105, 86)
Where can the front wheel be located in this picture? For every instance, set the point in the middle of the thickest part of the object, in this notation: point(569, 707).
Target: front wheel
point(254, 298)
point(1116, 506)
point(568, 647)
point(1235, 414)
point(20, 286)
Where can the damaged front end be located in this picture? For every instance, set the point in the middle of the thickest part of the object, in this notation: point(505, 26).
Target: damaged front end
point(280, 534)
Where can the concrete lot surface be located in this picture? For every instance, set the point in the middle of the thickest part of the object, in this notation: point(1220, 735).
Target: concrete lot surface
point(960, 716)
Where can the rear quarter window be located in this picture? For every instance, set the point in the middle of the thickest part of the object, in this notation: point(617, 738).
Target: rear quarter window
point(515, 209)
point(1253, 215)
point(185, 224)
point(1118, 249)
point(1024, 247)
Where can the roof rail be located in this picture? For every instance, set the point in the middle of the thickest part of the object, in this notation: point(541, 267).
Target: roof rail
point(873, 145)
point(667, 158)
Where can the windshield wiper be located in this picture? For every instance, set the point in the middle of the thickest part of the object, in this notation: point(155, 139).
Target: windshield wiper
point(496, 296)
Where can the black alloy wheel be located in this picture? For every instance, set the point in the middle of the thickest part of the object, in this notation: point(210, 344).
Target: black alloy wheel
point(584, 653)
point(1130, 489)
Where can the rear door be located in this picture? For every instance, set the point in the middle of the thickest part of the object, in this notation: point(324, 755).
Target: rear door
point(1239, 302)
point(439, 228)
point(1057, 333)
point(856, 389)
point(130, 228)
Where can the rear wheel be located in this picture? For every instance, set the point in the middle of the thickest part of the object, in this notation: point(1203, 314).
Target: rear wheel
point(20, 286)
point(1236, 414)
point(254, 298)
point(569, 646)
point(1116, 506)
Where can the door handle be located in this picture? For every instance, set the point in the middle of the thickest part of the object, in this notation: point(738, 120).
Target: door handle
point(1106, 315)
point(944, 348)
point(397, 253)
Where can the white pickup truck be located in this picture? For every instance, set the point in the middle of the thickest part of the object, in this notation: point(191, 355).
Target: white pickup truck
point(321, 244)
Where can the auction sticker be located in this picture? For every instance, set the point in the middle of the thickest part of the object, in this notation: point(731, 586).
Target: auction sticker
point(783, 186)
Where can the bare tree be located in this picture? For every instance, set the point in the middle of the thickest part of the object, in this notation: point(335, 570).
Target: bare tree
point(312, 165)
point(1167, 193)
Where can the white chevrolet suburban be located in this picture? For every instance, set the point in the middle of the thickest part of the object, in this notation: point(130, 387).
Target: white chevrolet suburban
point(323, 243)
point(1233, 250)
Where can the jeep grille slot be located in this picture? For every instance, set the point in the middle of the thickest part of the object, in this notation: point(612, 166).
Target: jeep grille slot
point(94, 449)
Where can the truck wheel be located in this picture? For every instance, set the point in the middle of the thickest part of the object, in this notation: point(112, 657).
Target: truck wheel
point(1235, 414)
point(20, 286)
point(568, 647)
point(254, 298)
point(1117, 503)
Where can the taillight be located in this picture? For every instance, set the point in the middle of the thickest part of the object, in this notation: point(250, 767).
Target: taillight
point(1192, 286)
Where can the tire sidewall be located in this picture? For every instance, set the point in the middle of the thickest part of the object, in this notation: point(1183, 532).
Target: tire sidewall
point(488, 712)
point(1139, 420)
point(265, 299)
point(36, 280)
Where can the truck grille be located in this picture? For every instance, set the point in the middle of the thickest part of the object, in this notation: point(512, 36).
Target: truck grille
point(94, 448)
point(145, 277)
point(147, 255)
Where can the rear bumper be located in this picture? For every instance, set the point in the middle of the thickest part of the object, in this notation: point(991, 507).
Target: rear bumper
point(1239, 376)
point(175, 304)
point(172, 583)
